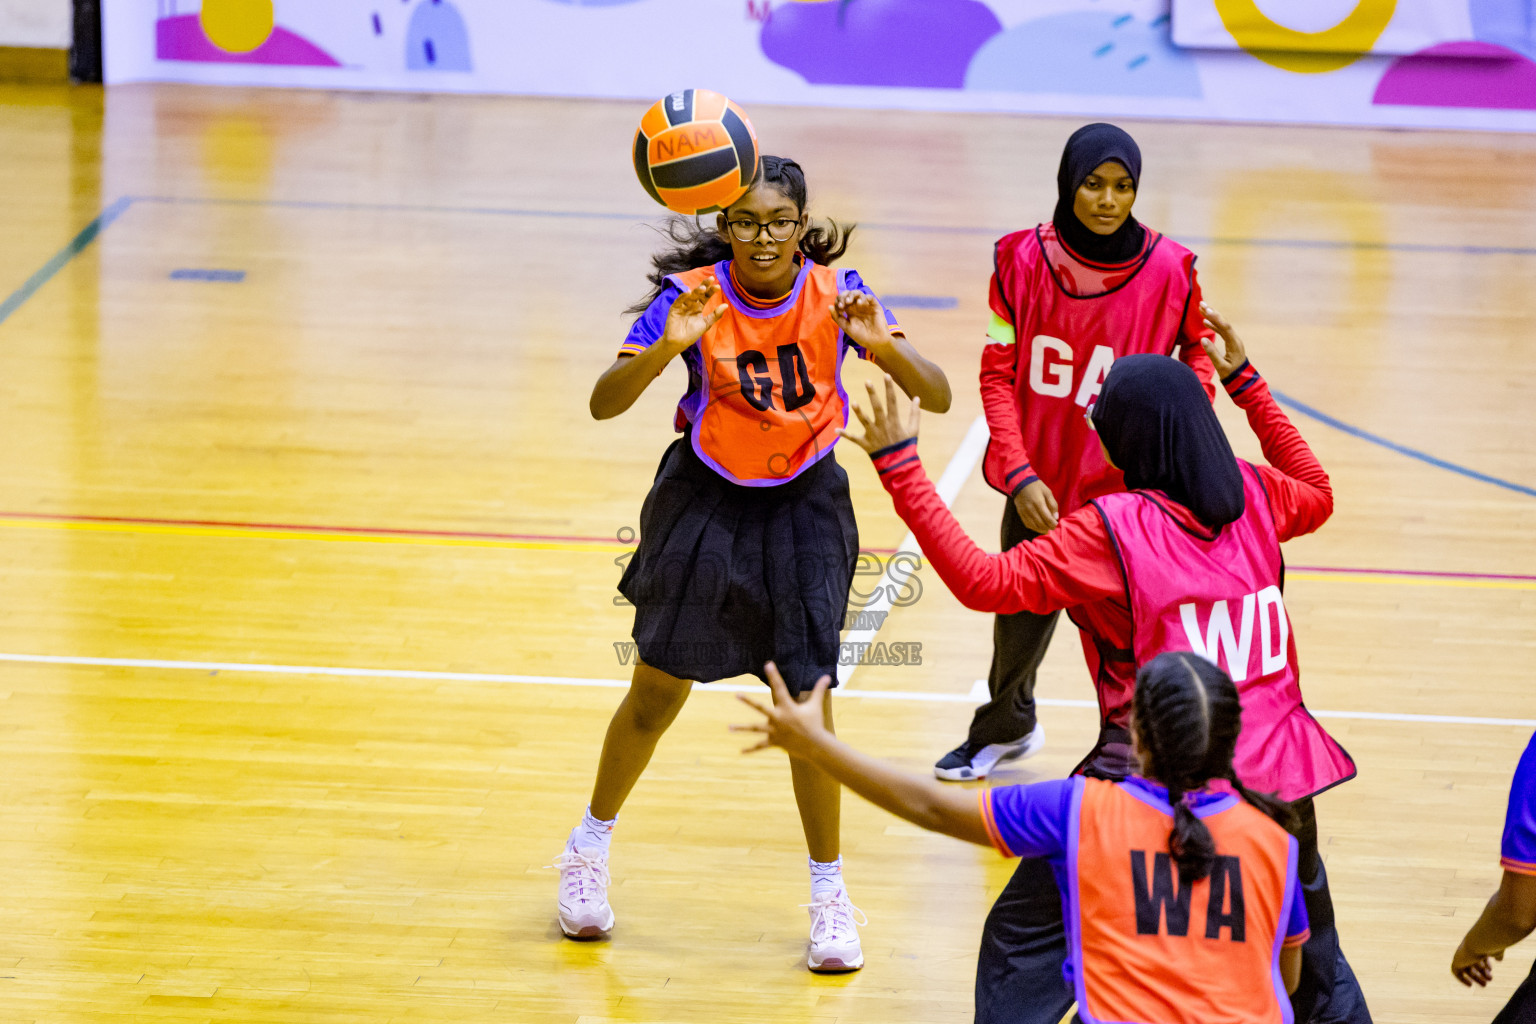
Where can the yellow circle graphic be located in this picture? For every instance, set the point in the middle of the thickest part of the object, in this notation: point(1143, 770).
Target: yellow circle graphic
point(236, 26)
point(1306, 52)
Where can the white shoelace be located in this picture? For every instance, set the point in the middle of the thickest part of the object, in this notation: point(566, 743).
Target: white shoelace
point(588, 881)
point(833, 916)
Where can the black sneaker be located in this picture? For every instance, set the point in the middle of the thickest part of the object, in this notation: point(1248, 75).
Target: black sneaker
point(969, 761)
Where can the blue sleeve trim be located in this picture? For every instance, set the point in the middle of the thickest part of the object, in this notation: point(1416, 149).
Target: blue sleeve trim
point(897, 465)
point(1015, 472)
point(888, 449)
point(1235, 374)
point(1023, 484)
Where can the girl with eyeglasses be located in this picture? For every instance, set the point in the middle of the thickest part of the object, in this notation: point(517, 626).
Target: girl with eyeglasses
point(747, 537)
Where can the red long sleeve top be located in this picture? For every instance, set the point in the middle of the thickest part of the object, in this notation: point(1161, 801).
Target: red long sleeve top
point(1075, 564)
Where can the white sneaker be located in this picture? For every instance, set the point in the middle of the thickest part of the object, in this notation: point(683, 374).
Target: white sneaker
point(835, 935)
point(584, 910)
point(967, 762)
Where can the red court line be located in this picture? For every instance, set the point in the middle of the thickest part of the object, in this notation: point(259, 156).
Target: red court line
point(356, 531)
point(386, 531)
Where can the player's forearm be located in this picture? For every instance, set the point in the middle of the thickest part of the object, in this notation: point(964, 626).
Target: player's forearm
point(1508, 918)
point(918, 377)
point(1284, 448)
point(626, 380)
point(1290, 968)
point(1007, 456)
point(922, 801)
point(971, 574)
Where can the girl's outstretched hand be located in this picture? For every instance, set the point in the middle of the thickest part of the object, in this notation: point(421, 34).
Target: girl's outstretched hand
point(1470, 970)
point(883, 424)
point(862, 319)
point(795, 726)
point(687, 320)
point(1226, 349)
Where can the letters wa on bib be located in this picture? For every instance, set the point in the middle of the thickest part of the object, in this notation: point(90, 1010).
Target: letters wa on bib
point(748, 541)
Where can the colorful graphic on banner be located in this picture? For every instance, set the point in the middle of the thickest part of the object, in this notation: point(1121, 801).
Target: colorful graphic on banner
point(437, 39)
point(1088, 53)
point(1433, 63)
point(922, 43)
point(233, 32)
point(1469, 74)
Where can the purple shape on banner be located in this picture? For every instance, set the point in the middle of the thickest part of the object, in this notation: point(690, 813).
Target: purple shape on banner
point(181, 38)
point(921, 43)
point(1460, 74)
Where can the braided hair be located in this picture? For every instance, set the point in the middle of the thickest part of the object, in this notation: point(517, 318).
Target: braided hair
point(1187, 716)
point(695, 245)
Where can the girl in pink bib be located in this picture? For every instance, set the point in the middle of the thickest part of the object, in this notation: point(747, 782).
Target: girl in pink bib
point(1187, 560)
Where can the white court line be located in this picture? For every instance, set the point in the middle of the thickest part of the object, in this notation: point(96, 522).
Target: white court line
point(920, 696)
point(954, 477)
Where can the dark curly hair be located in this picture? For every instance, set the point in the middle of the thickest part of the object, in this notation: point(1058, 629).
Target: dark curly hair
point(696, 245)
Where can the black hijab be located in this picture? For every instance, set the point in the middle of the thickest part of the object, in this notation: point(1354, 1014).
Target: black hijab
point(1089, 146)
point(1158, 426)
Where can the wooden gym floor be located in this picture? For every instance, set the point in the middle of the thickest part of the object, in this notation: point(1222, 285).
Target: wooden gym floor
point(308, 638)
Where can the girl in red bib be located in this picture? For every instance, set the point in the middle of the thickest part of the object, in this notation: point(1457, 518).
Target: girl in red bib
point(1187, 560)
point(747, 537)
point(1068, 298)
point(1178, 885)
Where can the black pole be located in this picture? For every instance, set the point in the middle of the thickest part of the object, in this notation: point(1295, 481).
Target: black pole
point(85, 50)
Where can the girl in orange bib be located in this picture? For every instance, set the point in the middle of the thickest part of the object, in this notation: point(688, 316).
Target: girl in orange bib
point(1179, 886)
point(747, 538)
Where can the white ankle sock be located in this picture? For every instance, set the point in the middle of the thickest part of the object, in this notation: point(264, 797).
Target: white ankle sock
point(593, 833)
point(827, 878)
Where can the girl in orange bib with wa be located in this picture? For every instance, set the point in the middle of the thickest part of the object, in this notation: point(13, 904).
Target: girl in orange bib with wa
point(1179, 886)
point(747, 538)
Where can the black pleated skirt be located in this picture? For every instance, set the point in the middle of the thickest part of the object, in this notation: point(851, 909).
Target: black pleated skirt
point(726, 578)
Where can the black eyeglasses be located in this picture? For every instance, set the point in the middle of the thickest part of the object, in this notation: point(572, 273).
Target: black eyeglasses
point(781, 229)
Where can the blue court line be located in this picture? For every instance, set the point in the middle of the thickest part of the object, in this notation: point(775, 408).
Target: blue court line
point(941, 229)
point(107, 216)
point(321, 204)
point(61, 258)
point(1412, 453)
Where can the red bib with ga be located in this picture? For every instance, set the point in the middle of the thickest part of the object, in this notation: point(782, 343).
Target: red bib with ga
point(1220, 597)
point(1151, 950)
point(1072, 320)
point(771, 401)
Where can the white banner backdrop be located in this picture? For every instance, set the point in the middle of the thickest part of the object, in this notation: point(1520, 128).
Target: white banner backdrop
point(1321, 26)
point(1475, 69)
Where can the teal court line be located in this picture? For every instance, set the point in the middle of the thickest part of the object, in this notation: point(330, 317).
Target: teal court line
point(62, 258)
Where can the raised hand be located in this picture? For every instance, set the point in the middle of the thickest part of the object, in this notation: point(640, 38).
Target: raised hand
point(796, 726)
point(1226, 349)
point(862, 319)
point(688, 318)
point(883, 424)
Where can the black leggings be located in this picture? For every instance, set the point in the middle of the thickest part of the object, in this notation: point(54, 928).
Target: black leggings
point(1521, 1008)
point(1024, 946)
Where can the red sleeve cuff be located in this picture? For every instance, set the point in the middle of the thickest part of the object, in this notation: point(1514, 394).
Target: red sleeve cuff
point(1293, 941)
point(1241, 380)
point(892, 456)
point(1519, 867)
